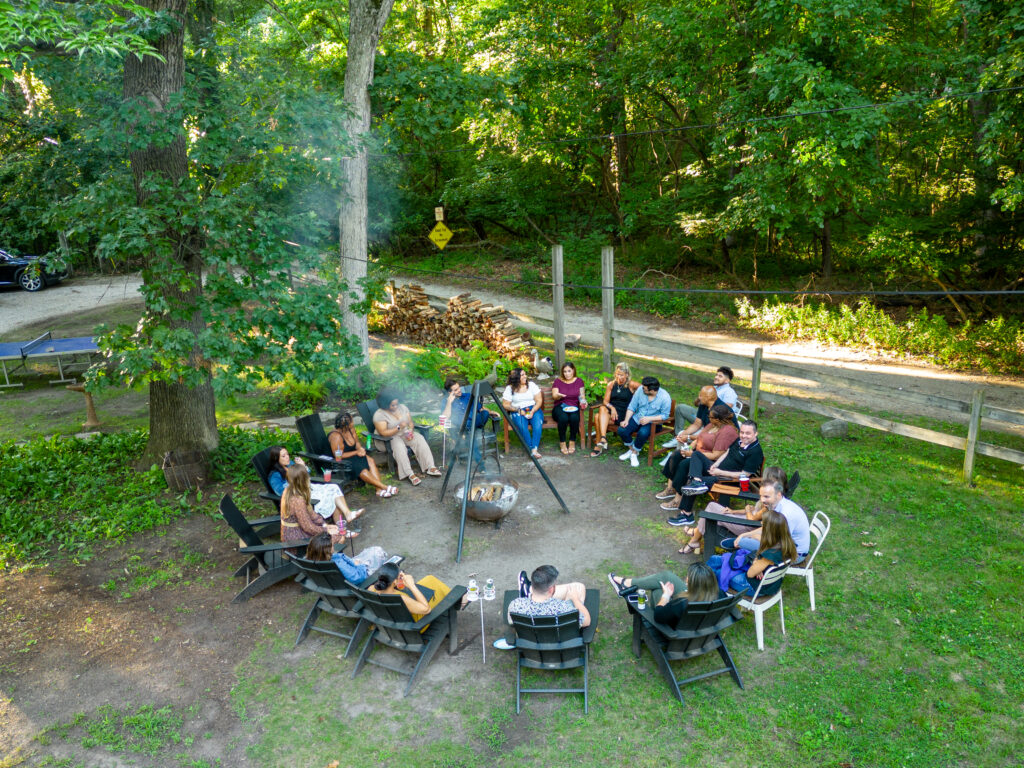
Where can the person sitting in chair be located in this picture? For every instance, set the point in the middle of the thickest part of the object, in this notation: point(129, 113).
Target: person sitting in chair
point(419, 597)
point(724, 392)
point(546, 598)
point(298, 520)
point(617, 397)
point(671, 595)
point(346, 447)
point(650, 406)
point(799, 528)
point(744, 456)
point(355, 569)
point(713, 441)
point(569, 394)
point(327, 498)
point(523, 400)
point(774, 546)
point(454, 404)
point(393, 421)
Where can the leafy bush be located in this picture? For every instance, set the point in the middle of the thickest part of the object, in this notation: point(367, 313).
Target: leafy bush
point(359, 383)
point(68, 492)
point(435, 365)
point(996, 345)
point(294, 397)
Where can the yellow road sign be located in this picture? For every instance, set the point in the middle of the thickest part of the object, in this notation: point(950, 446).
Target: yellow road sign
point(440, 235)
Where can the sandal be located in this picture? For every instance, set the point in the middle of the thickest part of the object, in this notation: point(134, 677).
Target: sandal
point(572, 448)
point(383, 493)
point(691, 549)
point(535, 454)
point(563, 449)
point(434, 472)
point(414, 480)
point(351, 534)
point(357, 514)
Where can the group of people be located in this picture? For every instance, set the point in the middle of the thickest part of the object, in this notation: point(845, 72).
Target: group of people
point(710, 446)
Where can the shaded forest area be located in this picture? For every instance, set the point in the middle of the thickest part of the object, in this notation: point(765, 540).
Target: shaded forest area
point(823, 144)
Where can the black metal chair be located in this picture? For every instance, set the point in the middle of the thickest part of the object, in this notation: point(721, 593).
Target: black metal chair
point(261, 463)
point(318, 451)
point(334, 596)
point(393, 627)
point(554, 643)
point(266, 565)
point(698, 632)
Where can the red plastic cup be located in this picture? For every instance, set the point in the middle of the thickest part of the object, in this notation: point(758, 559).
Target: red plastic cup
point(327, 475)
point(744, 483)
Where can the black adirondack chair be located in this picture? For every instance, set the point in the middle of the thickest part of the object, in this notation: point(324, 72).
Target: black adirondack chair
point(334, 597)
point(698, 632)
point(366, 409)
point(266, 565)
point(554, 643)
point(318, 451)
point(261, 463)
point(393, 626)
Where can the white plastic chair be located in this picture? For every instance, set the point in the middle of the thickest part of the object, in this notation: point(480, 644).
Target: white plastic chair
point(820, 526)
point(759, 604)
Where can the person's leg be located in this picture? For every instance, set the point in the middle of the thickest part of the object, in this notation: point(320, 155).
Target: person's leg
point(536, 427)
point(751, 540)
point(574, 428)
point(669, 470)
point(421, 449)
point(685, 414)
point(653, 582)
point(403, 467)
point(562, 420)
point(715, 564)
point(370, 476)
point(625, 432)
point(682, 474)
point(643, 434)
point(740, 583)
point(521, 425)
point(603, 420)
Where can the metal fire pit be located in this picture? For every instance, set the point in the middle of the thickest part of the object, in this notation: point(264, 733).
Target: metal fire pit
point(498, 495)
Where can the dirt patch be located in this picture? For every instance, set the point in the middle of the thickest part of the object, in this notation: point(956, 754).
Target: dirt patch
point(152, 622)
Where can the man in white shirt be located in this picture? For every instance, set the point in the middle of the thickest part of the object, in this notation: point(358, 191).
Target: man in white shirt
point(686, 414)
point(799, 526)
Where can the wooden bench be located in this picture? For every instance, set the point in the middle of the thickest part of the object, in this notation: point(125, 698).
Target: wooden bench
point(669, 425)
point(549, 420)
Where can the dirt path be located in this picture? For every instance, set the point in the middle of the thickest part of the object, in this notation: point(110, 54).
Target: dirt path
point(18, 309)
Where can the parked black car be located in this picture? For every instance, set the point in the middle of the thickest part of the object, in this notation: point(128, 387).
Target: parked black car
point(30, 272)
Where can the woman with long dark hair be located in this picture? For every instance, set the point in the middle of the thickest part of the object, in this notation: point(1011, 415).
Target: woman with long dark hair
point(346, 447)
point(523, 401)
point(419, 597)
point(327, 498)
point(570, 397)
point(298, 519)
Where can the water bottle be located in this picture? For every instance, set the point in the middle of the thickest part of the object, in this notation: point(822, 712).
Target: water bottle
point(489, 590)
point(641, 599)
point(473, 590)
point(369, 441)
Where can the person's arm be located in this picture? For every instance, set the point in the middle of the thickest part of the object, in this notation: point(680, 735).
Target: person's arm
point(352, 571)
point(754, 512)
point(305, 516)
point(538, 402)
point(579, 606)
point(758, 567)
point(582, 393)
point(754, 535)
point(607, 402)
point(556, 395)
point(417, 603)
point(384, 430)
point(337, 444)
point(277, 482)
point(446, 413)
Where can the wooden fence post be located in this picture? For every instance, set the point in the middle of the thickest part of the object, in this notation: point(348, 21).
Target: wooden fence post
point(607, 306)
point(972, 434)
point(755, 382)
point(558, 305)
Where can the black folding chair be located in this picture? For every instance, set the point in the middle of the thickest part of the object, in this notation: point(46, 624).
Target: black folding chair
point(554, 643)
point(698, 632)
point(393, 627)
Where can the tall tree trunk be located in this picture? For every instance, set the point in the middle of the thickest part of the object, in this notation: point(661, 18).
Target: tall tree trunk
point(826, 249)
point(366, 20)
point(180, 416)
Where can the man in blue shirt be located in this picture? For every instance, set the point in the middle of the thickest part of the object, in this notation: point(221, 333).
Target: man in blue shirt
point(650, 406)
point(454, 405)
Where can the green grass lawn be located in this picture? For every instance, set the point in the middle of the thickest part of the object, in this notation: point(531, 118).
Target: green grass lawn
point(912, 658)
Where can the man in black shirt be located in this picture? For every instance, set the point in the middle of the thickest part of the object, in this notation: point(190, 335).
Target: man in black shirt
point(744, 456)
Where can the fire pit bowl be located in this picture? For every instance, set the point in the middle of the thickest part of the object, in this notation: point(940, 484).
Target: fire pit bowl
point(490, 498)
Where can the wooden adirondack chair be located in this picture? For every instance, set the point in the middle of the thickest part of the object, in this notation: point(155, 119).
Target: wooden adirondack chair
point(266, 565)
point(698, 633)
point(554, 643)
point(318, 451)
point(334, 597)
point(393, 626)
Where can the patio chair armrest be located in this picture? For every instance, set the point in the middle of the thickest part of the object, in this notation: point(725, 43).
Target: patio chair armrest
point(735, 519)
point(450, 600)
point(274, 546)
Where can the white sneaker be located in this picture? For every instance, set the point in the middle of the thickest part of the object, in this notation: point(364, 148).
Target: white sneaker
point(633, 460)
point(626, 455)
point(502, 644)
point(673, 443)
point(665, 460)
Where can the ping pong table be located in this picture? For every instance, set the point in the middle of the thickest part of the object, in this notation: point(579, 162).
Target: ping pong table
point(67, 352)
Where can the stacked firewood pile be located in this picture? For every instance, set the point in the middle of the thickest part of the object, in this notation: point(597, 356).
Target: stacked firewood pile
point(466, 319)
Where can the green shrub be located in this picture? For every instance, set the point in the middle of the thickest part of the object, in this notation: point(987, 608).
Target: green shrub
point(996, 345)
point(294, 397)
point(435, 365)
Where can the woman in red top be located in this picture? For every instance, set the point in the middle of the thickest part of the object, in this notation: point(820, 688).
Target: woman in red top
point(567, 392)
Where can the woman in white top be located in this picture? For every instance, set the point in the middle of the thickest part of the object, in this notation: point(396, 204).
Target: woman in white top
point(523, 400)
